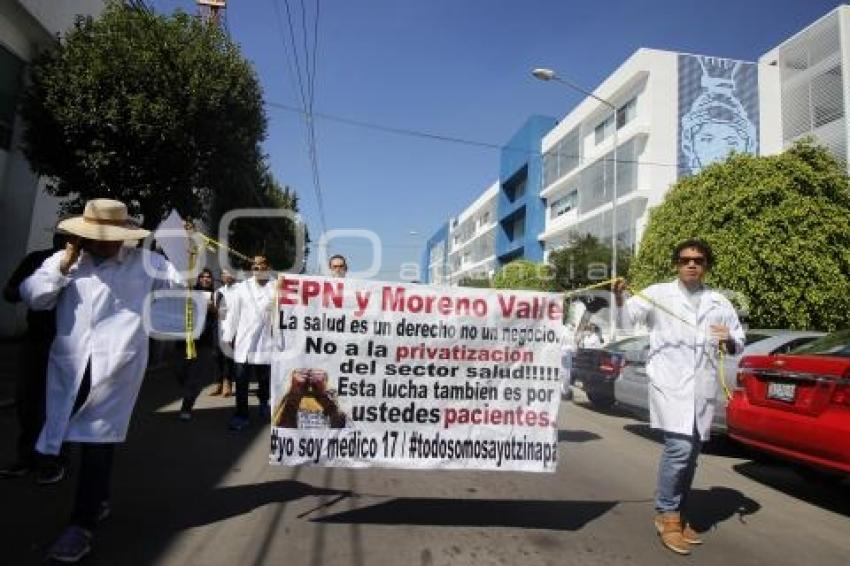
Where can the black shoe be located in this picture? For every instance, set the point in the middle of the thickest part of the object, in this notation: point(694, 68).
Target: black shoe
point(16, 470)
point(50, 470)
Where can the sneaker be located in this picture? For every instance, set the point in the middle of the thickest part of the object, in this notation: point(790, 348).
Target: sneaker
point(669, 527)
point(185, 416)
point(15, 470)
point(71, 546)
point(238, 423)
point(50, 470)
point(104, 510)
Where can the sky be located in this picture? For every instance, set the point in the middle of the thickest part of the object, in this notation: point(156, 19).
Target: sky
point(458, 69)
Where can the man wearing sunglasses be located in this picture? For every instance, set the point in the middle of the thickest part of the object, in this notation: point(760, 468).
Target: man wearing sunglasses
point(688, 324)
point(250, 316)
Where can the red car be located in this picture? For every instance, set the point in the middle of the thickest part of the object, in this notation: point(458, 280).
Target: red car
point(797, 406)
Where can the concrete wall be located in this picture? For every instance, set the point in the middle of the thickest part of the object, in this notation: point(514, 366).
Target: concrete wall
point(26, 27)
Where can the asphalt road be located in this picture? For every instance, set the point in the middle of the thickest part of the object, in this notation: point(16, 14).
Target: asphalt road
point(193, 493)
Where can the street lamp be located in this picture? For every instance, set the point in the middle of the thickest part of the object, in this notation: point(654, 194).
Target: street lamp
point(550, 75)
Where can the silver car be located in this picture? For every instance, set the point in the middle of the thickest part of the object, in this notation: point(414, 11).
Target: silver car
point(632, 394)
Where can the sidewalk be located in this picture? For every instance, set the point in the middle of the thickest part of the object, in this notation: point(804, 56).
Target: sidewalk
point(163, 475)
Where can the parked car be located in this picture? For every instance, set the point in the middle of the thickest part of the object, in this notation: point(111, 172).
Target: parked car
point(797, 406)
point(596, 369)
point(631, 390)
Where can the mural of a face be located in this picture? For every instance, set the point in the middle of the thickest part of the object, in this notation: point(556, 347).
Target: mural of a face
point(713, 141)
point(716, 122)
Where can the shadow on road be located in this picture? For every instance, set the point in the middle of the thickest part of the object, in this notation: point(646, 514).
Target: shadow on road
point(780, 476)
point(577, 436)
point(708, 507)
point(532, 514)
point(166, 480)
point(612, 411)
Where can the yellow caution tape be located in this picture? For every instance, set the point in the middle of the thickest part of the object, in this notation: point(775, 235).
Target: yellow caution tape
point(191, 352)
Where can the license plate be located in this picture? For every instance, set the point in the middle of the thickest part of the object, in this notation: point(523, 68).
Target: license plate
point(781, 391)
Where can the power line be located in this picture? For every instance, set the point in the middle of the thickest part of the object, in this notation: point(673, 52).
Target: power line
point(307, 98)
point(441, 137)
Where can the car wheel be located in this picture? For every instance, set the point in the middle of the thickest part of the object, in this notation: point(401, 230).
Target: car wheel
point(600, 399)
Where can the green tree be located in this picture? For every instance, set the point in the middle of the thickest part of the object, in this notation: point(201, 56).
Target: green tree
point(274, 237)
point(779, 227)
point(524, 274)
point(158, 111)
point(585, 260)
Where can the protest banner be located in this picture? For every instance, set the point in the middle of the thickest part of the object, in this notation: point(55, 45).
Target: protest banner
point(415, 376)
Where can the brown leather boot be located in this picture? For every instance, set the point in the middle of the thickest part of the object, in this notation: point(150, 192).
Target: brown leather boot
point(226, 391)
point(690, 535)
point(669, 527)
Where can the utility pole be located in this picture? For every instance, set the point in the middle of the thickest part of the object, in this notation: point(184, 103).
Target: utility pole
point(211, 10)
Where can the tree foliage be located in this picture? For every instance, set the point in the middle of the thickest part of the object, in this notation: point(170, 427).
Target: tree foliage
point(780, 230)
point(158, 111)
point(273, 236)
point(525, 274)
point(585, 260)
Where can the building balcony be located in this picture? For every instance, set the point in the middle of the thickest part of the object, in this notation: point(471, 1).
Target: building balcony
point(629, 206)
point(628, 132)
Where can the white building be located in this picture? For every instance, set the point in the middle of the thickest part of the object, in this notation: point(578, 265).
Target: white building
point(675, 114)
point(815, 82)
point(472, 239)
point(26, 27)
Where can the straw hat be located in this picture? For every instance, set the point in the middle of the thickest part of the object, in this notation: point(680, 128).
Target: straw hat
point(103, 219)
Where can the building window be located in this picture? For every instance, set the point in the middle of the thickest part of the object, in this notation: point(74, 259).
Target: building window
point(518, 229)
point(604, 129)
point(519, 189)
point(626, 113)
point(562, 158)
point(11, 73)
point(564, 204)
point(515, 187)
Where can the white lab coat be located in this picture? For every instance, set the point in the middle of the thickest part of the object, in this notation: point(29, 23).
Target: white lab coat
point(98, 323)
point(251, 314)
point(568, 350)
point(591, 340)
point(683, 359)
point(223, 305)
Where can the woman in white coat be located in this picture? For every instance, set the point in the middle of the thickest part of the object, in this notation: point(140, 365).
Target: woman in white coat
point(97, 361)
point(688, 323)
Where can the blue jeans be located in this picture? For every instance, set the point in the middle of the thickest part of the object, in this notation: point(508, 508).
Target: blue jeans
point(676, 471)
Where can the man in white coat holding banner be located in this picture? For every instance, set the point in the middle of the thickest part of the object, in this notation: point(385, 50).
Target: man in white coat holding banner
point(688, 325)
point(98, 287)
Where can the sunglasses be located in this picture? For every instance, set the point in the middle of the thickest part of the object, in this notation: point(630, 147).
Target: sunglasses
point(683, 261)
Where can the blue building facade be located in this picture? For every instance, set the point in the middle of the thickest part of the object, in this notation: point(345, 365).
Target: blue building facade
point(434, 262)
point(522, 213)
